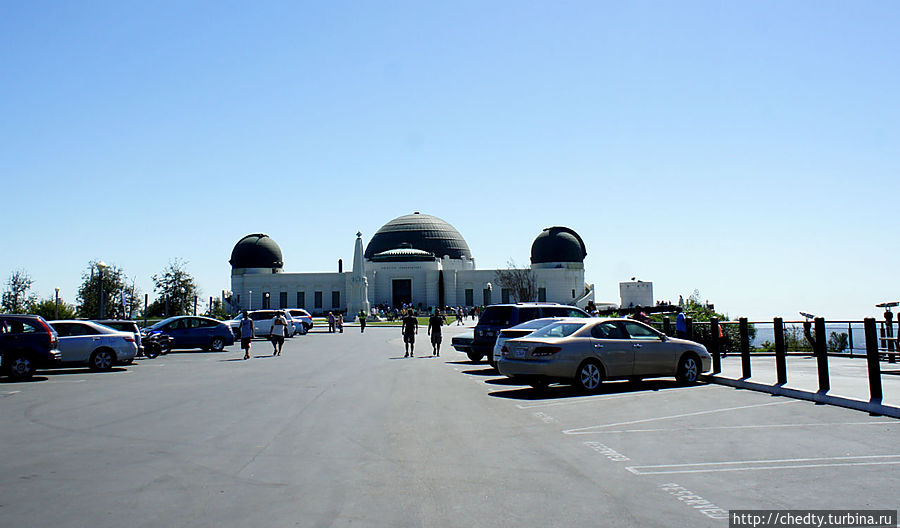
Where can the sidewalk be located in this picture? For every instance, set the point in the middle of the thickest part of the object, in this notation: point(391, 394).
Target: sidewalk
point(849, 381)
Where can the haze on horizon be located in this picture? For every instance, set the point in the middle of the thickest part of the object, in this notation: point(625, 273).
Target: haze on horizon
point(748, 151)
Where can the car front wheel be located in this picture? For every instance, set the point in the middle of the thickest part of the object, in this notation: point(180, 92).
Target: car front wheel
point(475, 357)
point(217, 344)
point(589, 376)
point(102, 359)
point(21, 366)
point(688, 369)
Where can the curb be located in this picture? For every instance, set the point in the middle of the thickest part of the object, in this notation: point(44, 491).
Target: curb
point(872, 407)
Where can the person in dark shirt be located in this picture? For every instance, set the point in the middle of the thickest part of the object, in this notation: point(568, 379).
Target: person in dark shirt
point(435, 322)
point(410, 329)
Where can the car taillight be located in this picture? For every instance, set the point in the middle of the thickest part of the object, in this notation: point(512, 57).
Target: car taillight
point(545, 351)
point(50, 334)
point(130, 339)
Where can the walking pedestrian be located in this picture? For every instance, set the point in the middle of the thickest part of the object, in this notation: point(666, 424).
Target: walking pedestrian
point(331, 322)
point(246, 333)
point(279, 328)
point(409, 330)
point(362, 321)
point(340, 322)
point(434, 330)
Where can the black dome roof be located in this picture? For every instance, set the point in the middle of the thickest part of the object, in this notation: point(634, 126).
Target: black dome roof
point(557, 244)
point(420, 231)
point(256, 251)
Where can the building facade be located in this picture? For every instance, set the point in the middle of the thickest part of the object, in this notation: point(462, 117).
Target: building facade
point(417, 260)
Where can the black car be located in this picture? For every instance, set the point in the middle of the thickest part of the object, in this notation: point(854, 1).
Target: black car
point(27, 343)
point(501, 316)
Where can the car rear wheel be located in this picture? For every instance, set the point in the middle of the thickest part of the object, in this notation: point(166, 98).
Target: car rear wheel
point(589, 376)
point(102, 359)
point(217, 344)
point(688, 369)
point(475, 357)
point(20, 367)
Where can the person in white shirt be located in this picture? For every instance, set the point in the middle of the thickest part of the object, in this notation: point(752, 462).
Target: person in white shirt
point(279, 326)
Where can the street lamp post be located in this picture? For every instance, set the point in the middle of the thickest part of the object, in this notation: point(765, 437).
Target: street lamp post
point(266, 304)
point(101, 267)
point(251, 300)
point(56, 312)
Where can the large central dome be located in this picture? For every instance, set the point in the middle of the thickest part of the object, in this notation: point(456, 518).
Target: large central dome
point(419, 231)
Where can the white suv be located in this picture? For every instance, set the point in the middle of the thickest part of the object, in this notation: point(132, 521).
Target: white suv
point(262, 323)
point(302, 320)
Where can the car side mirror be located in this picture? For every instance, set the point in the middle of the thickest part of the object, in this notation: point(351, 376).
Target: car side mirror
point(663, 337)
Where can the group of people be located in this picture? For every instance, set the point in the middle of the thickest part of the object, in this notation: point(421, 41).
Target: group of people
point(335, 323)
point(276, 335)
point(410, 328)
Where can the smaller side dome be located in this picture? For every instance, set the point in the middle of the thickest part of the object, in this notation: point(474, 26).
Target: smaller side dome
point(557, 244)
point(256, 251)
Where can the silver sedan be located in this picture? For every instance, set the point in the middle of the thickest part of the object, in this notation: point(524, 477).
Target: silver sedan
point(94, 345)
point(586, 353)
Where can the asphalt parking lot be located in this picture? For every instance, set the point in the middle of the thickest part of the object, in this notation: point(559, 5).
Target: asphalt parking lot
point(342, 430)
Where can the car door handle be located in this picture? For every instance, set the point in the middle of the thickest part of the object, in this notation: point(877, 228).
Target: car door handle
point(636, 345)
point(598, 346)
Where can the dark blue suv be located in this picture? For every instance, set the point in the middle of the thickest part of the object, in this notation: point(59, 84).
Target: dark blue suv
point(27, 343)
point(498, 317)
point(188, 331)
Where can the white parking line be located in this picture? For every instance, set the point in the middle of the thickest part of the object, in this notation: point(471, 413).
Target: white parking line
point(758, 465)
point(10, 393)
point(762, 426)
point(591, 429)
point(583, 399)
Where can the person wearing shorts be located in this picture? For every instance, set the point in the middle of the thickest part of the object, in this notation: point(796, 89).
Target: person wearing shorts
point(246, 334)
point(410, 328)
point(435, 322)
point(279, 327)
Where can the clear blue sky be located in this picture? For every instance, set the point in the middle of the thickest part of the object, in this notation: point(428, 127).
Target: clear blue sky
point(745, 149)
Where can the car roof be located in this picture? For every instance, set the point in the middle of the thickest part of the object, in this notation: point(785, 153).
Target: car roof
point(97, 326)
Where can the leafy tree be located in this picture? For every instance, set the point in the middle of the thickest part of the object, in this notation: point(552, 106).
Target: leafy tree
point(838, 342)
point(46, 308)
point(520, 282)
point(16, 298)
point(178, 285)
point(702, 312)
point(218, 311)
point(115, 284)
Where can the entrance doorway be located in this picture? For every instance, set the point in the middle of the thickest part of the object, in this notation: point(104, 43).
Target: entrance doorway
point(402, 292)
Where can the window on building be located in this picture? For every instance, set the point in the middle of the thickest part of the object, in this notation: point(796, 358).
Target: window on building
point(239, 299)
point(573, 294)
point(267, 301)
point(470, 297)
point(542, 294)
point(317, 299)
point(335, 299)
point(282, 300)
point(486, 296)
point(301, 299)
point(504, 295)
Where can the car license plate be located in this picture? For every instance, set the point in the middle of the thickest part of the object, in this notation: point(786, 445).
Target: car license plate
point(519, 352)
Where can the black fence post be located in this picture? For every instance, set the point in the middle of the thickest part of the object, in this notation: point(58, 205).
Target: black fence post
point(667, 326)
point(780, 359)
point(873, 360)
point(821, 349)
point(745, 348)
point(714, 345)
point(689, 328)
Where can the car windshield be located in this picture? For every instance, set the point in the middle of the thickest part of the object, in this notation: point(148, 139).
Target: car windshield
point(534, 324)
point(558, 330)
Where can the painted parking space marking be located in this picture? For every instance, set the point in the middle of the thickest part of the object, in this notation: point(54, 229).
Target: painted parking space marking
point(607, 451)
point(760, 426)
point(691, 499)
point(593, 428)
point(10, 393)
point(587, 399)
point(544, 417)
point(759, 465)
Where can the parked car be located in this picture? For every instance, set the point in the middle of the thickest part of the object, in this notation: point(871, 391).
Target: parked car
point(125, 325)
point(496, 317)
point(97, 346)
point(301, 315)
point(262, 323)
point(191, 331)
point(27, 343)
point(520, 330)
point(463, 342)
point(587, 353)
